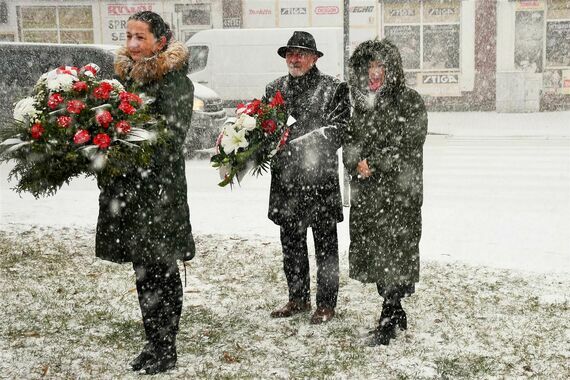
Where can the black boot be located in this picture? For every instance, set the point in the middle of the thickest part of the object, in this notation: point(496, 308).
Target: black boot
point(392, 317)
point(400, 317)
point(147, 354)
point(164, 360)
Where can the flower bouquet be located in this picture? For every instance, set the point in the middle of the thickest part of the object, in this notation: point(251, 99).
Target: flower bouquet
point(250, 140)
point(75, 124)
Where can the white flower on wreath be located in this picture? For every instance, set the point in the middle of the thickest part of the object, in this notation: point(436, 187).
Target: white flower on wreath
point(60, 82)
point(26, 108)
point(232, 140)
point(117, 86)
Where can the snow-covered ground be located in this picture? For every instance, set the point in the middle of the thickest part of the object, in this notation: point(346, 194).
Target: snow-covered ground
point(493, 300)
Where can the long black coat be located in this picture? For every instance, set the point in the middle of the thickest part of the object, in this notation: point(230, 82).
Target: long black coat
point(304, 175)
point(144, 216)
point(388, 128)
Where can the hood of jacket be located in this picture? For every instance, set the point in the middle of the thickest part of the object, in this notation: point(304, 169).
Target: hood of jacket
point(376, 50)
point(174, 57)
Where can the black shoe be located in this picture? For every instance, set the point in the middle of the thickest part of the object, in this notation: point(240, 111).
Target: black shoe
point(146, 355)
point(382, 335)
point(400, 319)
point(392, 317)
point(163, 362)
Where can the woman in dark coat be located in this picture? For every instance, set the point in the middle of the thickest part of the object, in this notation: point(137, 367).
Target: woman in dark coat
point(144, 216)
point(383, 153)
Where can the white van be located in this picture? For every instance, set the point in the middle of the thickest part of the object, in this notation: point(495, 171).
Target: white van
point(239, 63)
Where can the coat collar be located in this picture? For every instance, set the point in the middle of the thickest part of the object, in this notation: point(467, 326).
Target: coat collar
point(152, 69)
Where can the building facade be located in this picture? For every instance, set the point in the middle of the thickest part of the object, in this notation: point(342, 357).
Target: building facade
point(505, 55)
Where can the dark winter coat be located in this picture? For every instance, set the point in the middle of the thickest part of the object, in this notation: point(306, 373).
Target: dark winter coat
point(388, 128)
point(144, 216)
point(304, 175)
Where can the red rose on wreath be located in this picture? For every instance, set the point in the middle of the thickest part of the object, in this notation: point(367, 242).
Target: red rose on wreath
point(104, 118)
point(55, 100)
point(80, 86)
point(123, 127)
point(130, 97)
point(64, 121)
point(81, 137)
point(250, 108)
point(75, 106)
point(102, 140)
point(269, 126)
point(127, 108)
point(37, 131)
point(103, 91)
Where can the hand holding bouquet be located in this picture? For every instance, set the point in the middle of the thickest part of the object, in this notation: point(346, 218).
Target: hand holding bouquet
point(74, 124)
point(251, 139)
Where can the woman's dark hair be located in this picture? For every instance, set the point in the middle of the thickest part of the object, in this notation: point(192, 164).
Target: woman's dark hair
point(156, 24)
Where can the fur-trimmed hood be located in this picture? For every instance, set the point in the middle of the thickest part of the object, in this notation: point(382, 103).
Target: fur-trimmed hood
point(374, 50)
point(175, 57)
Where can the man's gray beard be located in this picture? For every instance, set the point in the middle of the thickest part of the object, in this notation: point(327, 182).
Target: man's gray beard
point(297, 70)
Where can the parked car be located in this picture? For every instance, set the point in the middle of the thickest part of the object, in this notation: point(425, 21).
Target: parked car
point(21, 64)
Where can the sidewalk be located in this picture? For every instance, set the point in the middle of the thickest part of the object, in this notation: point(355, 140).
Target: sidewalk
point(493, 124)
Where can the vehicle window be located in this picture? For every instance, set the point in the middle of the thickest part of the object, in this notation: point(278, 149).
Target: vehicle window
point(198, 58)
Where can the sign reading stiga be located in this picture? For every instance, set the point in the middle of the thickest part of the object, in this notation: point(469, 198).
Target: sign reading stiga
point(440, 79)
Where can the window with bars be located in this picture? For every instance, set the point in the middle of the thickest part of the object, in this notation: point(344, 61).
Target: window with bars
point(56, 24)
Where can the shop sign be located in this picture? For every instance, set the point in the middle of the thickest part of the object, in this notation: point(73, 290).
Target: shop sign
point(327, 10)
point(260, 12)
point(362, 9)
point(402, 13)
point(115, 17)
point(127, 10)
point(293, 11)
point(440, 79)
point(232, 22)
point(439, 84)
point(526, 5)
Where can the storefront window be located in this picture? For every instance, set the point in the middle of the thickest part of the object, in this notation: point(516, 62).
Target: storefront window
point(529, 37)
point(558, 34)
point(57, 24)
point(196, 14)
point(426, 32)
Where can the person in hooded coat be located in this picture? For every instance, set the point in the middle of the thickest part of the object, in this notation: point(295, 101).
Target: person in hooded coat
point(383, 153)
point(144, 216)
point(305, 190)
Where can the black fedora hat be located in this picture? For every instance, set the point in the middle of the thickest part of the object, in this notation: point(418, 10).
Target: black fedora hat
point(300, 40)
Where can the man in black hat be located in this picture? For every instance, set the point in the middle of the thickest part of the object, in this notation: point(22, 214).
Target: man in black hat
point(305, 189)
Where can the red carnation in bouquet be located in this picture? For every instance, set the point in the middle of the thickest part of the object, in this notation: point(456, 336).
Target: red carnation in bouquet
point(37, 131)
point(81, 137)
point(252, 138)
point(74, 124)
point(75, 106)
point(54, 100)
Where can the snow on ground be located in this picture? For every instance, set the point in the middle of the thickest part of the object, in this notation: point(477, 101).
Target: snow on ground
point(493, 298)
point(68, 315)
